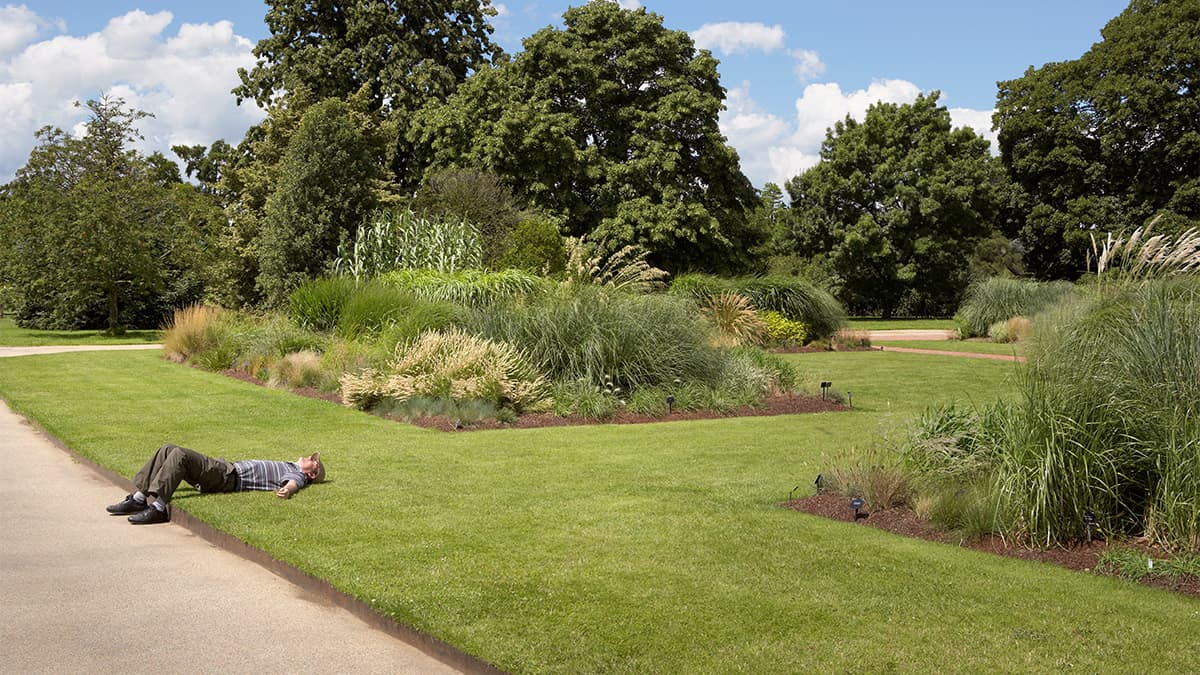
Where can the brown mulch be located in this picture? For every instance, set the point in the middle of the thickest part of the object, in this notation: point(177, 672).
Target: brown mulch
point(1081, 557)
point(776, 405)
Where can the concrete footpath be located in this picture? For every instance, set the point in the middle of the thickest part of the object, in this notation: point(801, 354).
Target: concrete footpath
point(82, 591)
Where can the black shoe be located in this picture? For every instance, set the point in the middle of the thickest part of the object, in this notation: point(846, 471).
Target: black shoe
point(130, 505)
point(149, 516)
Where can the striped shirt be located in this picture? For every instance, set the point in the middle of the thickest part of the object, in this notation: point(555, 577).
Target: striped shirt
point(261, 474)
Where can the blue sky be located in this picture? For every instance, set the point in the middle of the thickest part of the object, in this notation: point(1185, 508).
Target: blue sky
point(790, 68)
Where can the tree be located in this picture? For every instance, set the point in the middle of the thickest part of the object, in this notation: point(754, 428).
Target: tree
point(1109, 140)
point(898, 203)
point(325, 189)
point(611, 124)
point(89, 227)
point(402, 54)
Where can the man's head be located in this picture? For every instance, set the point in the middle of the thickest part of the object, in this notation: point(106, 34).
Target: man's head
point(313, 467)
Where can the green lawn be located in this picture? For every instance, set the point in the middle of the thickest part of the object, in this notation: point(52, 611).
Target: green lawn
point(1009, 349)
point(12, 336)
point(868, 323)
point(626, 548)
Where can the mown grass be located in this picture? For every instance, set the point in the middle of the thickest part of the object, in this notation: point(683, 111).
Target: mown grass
point(869, 323)
point(625, 548)
point(12, 336)
point(1007, 349)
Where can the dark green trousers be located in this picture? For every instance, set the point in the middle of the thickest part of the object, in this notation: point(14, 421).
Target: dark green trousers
point(171, 465)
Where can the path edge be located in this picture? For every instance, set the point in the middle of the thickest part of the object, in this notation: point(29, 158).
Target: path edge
point(432, 646)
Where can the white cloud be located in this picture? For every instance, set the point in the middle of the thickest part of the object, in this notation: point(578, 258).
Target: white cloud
point(773, 149)
point(501, 9)
point(629, 4)
point(183, 79)
point(980, 121)
point(20, 26)
point(808, 64)
point(732, 37)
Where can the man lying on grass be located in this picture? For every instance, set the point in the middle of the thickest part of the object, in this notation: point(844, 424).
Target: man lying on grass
point(171, 465)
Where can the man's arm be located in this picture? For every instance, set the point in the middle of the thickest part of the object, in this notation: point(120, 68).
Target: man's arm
point(289, 488)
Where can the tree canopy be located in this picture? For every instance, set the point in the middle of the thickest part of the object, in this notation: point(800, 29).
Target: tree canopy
point(611, 123)
point(898, 203)
point(94, 234)
point(1108, 140)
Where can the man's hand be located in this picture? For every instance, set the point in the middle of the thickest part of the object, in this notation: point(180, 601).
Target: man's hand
point(289, 488)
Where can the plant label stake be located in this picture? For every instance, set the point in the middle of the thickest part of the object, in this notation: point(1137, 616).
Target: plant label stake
point(820, 483)
point(825, 390)
point(670, 404)
point(850, 399)
point(856, 504)
point(1089, 519)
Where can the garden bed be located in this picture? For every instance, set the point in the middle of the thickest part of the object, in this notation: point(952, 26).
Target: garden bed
point(774, 405)
point(1083, 557)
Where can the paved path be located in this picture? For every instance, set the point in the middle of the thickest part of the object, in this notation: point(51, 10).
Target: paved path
point(58, 349)
point(82, 591)
point(913, 334)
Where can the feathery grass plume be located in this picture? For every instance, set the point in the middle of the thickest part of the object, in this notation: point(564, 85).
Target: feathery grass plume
point(471, 288)
point(735, 319)
point(452, 365)
point(625, 269)
point(1144, 255)
point(190, 332)
point(298, 369)
point(1000, 298)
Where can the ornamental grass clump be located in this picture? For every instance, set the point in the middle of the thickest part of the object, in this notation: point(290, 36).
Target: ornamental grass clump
point(451, 365)
point(191, 332)
point(999, 299)
point(1108, 422)
point(471, 288)
point(594, 333)
point(317, 304)
point(735, 320)
point(792, 297)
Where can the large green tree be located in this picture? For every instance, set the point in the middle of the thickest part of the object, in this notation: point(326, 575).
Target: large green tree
point(1108, 140)
point(402, 54)
point(324, 190)
point(94, 234)
point(611, 123)
point(898, 203)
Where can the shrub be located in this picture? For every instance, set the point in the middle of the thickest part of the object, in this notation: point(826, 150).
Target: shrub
point(452, 365)
point(782, 331)
point(472, 288)
point(253, 343)
point(735, 320)
point(317, 305)
point(999, 299)
point(792, 297)
point(850, 339)
point(476, 197)
point(592, 333)
point(535, 246)
point(190, 332)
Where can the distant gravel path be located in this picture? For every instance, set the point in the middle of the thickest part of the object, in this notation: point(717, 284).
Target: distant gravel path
point(913, 334)
point(58, 349)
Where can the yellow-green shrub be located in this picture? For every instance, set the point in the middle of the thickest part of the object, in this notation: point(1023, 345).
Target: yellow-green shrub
point(782, 330)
